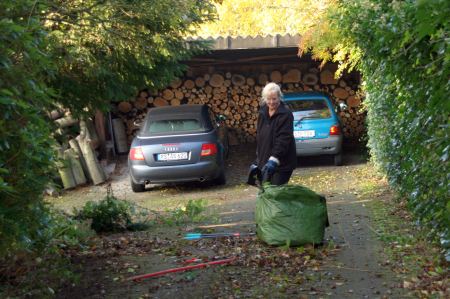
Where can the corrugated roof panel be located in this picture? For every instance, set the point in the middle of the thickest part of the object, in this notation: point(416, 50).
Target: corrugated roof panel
point(253, 42)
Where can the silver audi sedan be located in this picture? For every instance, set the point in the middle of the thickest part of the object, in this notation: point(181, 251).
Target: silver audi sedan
point(178, 144)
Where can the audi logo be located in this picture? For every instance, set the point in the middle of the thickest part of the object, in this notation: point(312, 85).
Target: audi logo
point(171, 149)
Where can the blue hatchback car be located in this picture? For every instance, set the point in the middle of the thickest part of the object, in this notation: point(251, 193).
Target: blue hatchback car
point(317, 128)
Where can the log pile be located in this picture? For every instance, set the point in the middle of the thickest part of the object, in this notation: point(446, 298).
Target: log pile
point(237, 96)
point(79, 149)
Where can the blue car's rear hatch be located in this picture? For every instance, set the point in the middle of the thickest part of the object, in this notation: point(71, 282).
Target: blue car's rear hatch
point(312, 117)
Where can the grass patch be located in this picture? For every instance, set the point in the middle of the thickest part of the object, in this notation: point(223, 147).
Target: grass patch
point(192, 212)
point(369, 188)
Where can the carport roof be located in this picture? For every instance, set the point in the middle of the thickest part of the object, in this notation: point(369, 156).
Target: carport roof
point(250, 42)
point(249, 50)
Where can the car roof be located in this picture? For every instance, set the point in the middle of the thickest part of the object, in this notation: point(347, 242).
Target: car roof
point(179, 110)
point(188, 111)
point(304, 95)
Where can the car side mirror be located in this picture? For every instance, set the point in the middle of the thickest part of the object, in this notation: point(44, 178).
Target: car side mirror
point(342, 106)
point(221, 118)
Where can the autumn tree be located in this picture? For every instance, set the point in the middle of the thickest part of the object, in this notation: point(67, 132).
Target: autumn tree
point(264, 17)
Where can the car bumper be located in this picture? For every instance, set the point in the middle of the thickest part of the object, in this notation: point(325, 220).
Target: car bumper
point(313, 147)
point(201, 171)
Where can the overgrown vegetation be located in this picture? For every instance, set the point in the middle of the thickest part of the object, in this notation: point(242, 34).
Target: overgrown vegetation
point(37, 273)
point(80, 55)
point(402, 50)
point(112, 214)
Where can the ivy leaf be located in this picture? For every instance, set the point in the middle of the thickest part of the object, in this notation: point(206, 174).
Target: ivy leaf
point(424, 29)
point(444, 157)
point(6, 100)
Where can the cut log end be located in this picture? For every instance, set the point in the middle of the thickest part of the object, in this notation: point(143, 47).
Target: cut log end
point(310, 79)
point(276, 76)
point(216, 80)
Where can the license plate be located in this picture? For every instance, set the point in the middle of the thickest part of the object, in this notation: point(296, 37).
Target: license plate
point(172, 156)
point(304, 134)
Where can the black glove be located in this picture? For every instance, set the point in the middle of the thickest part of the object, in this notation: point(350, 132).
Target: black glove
point(253, 174)
point(268, 170)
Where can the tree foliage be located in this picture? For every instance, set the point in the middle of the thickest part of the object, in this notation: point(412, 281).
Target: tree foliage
point(324, 40)
point(402, 50)
point(264, 17)
point(80, 55)
point(107, 50)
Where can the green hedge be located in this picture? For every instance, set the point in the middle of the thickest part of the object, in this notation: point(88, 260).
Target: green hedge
point(26, 155)
point(405, 64)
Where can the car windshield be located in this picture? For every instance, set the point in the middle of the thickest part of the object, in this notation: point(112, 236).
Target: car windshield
point(316, 108)
point(172, 125)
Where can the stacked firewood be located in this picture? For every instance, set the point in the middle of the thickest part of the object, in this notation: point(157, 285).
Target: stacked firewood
point(237, 96)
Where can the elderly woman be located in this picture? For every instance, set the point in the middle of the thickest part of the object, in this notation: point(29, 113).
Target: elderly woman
point(275, 143)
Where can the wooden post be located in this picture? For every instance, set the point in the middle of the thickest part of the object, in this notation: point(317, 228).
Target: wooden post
point(91, 133)
point(65, 170)
point(120, 135)
point(76, 147)
point(66, 121)
point(77, 170)
point(95, 169)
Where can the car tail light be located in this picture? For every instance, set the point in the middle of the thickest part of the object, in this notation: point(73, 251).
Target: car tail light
point(136, 154)
point(335, 130)
point(208, 149)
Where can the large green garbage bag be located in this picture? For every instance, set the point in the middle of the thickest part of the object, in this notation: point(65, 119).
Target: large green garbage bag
point(290, 215)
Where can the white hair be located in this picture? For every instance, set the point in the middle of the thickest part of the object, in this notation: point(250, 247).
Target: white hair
point(269, 88)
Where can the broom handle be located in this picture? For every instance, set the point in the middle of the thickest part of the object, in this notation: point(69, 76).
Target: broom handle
point(180, 269)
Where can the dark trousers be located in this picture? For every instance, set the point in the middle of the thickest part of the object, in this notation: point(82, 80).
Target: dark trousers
point(280, 177)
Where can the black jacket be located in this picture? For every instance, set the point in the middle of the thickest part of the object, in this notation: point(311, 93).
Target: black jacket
point(275, 137)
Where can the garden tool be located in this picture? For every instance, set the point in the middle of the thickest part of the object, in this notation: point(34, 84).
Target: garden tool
point(195, 236)
point(186, 268)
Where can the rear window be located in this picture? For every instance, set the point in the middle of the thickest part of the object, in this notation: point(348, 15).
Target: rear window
point(316, 108)
point(172, 125)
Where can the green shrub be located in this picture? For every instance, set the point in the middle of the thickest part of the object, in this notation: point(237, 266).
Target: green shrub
point(108, 215)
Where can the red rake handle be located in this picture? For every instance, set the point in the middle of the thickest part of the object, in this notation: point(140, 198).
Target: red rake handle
point(159, 273)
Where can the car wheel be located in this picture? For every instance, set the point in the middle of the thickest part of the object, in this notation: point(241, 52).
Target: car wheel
point(221, 179)
point(137, 187)
point(338, 159)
